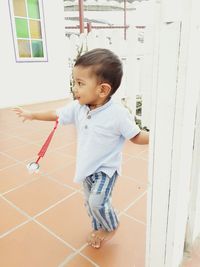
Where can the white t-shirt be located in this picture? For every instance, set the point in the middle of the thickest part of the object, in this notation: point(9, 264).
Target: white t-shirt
point(101, 134)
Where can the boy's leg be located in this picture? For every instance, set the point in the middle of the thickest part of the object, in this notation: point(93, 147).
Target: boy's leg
point(101, 208)
point(87, 185)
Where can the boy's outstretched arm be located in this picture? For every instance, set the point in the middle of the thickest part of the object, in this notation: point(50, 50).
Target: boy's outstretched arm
point(35, 115)
point(141, 139)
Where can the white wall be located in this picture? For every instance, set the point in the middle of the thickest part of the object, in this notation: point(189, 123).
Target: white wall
point(25, 83)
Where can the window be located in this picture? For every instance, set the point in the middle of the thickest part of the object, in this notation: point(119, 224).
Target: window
point(28, 30)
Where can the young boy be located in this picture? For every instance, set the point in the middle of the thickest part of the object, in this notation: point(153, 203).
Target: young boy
point(102, 127)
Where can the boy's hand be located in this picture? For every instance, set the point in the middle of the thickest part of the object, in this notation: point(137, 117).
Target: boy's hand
point(25, 114)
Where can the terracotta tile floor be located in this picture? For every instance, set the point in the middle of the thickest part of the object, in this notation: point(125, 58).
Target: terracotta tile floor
point(44, 222)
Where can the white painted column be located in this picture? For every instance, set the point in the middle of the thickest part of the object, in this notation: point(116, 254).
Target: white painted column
point(175, 94)
point(193, 225)
point(162, 131)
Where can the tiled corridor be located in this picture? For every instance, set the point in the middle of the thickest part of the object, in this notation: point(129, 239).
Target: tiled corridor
point(43, 219)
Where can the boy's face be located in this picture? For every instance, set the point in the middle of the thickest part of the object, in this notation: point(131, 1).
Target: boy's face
point(86, 88)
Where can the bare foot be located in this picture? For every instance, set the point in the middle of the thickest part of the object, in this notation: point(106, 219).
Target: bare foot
point(91, 237)
point(96, 238)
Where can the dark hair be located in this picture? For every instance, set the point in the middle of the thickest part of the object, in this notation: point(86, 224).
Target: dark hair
point(105, 65)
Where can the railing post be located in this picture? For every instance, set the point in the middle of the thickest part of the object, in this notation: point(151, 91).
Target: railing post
point(89, 27)
point(81, 16)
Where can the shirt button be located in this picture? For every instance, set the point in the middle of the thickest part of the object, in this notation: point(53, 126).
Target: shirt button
point(86, 126)
point(89, 117)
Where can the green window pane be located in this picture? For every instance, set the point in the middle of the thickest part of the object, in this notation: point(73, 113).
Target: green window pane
point(24, 48)
point(35, 29)
point(37, 49)
point(19, 7)
point(33, 9)
point(21, 28)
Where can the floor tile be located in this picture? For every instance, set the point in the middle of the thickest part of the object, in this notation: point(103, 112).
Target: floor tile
point(14, 176)
point(11, 142)
point(31, 246)
point(125, 192)
point(193, 257)
point(10, 217)
point(23, 152)
point(79, 261)
point(137, 169)
point(35, 137)
point(194, 261)
point(138, 210)
point(126, 157)
point(66, 175)
point(69, 220)
point(133, 149)
point(144, 154)
point(49, 104)
point(17, 130)
point(6, 114)
point(3, 136)
point(38, 195)
point(6, 161)
point(126, 248)
point(69, 149)
point(42, 126)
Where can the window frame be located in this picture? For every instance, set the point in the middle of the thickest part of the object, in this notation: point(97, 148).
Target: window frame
point(15, 38)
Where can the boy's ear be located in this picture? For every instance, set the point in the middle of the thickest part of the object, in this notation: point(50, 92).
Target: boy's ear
point(105, 89)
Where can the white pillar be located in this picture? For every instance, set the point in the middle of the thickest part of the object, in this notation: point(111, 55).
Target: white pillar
point(175, 94)
point(193, 225)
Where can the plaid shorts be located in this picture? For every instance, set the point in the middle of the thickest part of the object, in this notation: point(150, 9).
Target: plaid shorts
point(98, 191)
